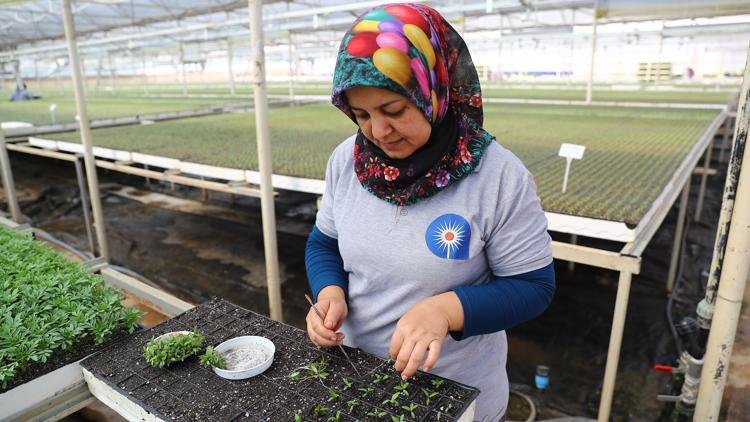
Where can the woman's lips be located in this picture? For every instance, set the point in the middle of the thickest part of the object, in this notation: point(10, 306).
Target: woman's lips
point(391, 145)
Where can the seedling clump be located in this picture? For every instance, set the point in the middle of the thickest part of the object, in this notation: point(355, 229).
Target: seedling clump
point(174, 348)
point(48, 304)
point(210, 359)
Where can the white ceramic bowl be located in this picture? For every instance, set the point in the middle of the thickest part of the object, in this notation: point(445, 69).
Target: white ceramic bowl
point(236, 342)
point(172, 333)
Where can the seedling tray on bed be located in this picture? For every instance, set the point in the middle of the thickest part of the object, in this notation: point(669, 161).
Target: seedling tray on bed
point(304, 383)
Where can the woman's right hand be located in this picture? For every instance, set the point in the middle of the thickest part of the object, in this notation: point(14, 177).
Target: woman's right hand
point(332, 305)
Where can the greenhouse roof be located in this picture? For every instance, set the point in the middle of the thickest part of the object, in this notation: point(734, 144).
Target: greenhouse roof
point(37, 23)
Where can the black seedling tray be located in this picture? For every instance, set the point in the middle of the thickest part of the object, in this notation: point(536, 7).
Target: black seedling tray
point(291, 389)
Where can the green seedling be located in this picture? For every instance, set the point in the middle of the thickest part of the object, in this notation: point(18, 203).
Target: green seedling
point(172, 349)
point(352, 404)
point(335, 418)
point(332, 395)
point(429, 395)
point(297, 417)
point(320, 409)
point(437, 382)
point(366, 390)
point(379, 378)
point(410, 408)
point(377, 414)
point(446, 407)
point(347, 383)
point(401, 388)
point(393, 401)
point(399, 418)
point(210, 359)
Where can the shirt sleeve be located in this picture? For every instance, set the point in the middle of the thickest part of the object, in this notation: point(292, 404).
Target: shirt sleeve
point(505, 302)
point(323, 263)
point(518, 241)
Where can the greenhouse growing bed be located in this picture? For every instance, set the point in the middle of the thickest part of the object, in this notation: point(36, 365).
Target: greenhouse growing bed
point(629, 156)
point(37, 112)
point(302, 383)
point(52, 314)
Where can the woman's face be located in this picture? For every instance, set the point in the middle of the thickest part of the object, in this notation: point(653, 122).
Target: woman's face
point(389, 120)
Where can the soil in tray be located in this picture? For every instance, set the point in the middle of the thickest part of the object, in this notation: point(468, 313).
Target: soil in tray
point(60, 358)
point(325, 385)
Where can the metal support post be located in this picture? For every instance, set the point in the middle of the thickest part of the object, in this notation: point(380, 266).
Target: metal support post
point(230, 60)
point(85, 202)
point(677, 241)
point(573, 241)
point(85, 129)
point(615, 343)
point(112, 82)
point(735, 269)
point(725, 139)
point(144, 78)
point(291, 65)
point(590, 85)
point(264, 159)
point(8, 184)
point(704, 179)
point(182, 69)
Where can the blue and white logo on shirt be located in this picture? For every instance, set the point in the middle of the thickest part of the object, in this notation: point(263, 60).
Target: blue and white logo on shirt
point(448, 236)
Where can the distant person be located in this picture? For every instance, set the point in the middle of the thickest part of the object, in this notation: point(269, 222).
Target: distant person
point(430, 240)
point(20, 94)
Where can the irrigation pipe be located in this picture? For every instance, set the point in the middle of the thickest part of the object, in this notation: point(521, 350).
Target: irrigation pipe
point(734, 269)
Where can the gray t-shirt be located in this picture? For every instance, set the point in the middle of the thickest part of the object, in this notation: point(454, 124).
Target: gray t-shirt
point(396, 256)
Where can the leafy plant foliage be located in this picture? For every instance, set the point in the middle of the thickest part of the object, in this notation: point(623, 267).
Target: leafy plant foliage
point(48, 304)
point(210, 359)
point(174, 348)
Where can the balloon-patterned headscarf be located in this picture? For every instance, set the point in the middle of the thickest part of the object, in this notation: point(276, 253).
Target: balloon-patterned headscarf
point(411, 50)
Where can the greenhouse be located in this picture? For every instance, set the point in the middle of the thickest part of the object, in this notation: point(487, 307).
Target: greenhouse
point(177, 233)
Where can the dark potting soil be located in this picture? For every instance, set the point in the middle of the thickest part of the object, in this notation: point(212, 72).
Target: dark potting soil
point(60, 358)
point(289, 390)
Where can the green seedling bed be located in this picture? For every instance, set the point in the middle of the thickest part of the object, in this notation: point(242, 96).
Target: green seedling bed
point(631, 153)
point(52, 312)
point(37, 111)
point(303, 383)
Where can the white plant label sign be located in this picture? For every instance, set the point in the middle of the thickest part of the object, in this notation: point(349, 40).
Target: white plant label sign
point(570, 152)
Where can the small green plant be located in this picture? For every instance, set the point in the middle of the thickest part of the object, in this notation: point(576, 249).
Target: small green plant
point(172, 349)
point(320, 409)
point(347, 383)
point(297, 417)
point(401, 388)
point(379, 378)
point(333, 395)
point(352, 404)
point(210, 359)
point(377, 414)
point(366, 390)
point(437, 382)
point(393, 401)
point(399, 418)
point(410, 408)
point(335, 418)
point(429, 395)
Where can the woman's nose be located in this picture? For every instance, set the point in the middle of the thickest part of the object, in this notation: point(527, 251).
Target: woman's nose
point(381, 128)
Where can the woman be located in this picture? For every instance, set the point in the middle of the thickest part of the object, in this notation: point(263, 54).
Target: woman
point(430, 240)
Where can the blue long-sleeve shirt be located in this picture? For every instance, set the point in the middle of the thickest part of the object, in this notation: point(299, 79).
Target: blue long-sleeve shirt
point(494, 306)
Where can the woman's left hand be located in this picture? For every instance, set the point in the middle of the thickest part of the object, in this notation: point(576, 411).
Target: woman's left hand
point(422, 330)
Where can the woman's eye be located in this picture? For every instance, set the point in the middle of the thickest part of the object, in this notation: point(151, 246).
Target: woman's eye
point(395, 113)
point(361, 116)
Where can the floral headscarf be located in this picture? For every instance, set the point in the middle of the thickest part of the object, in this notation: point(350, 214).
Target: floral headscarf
point(411, 50)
